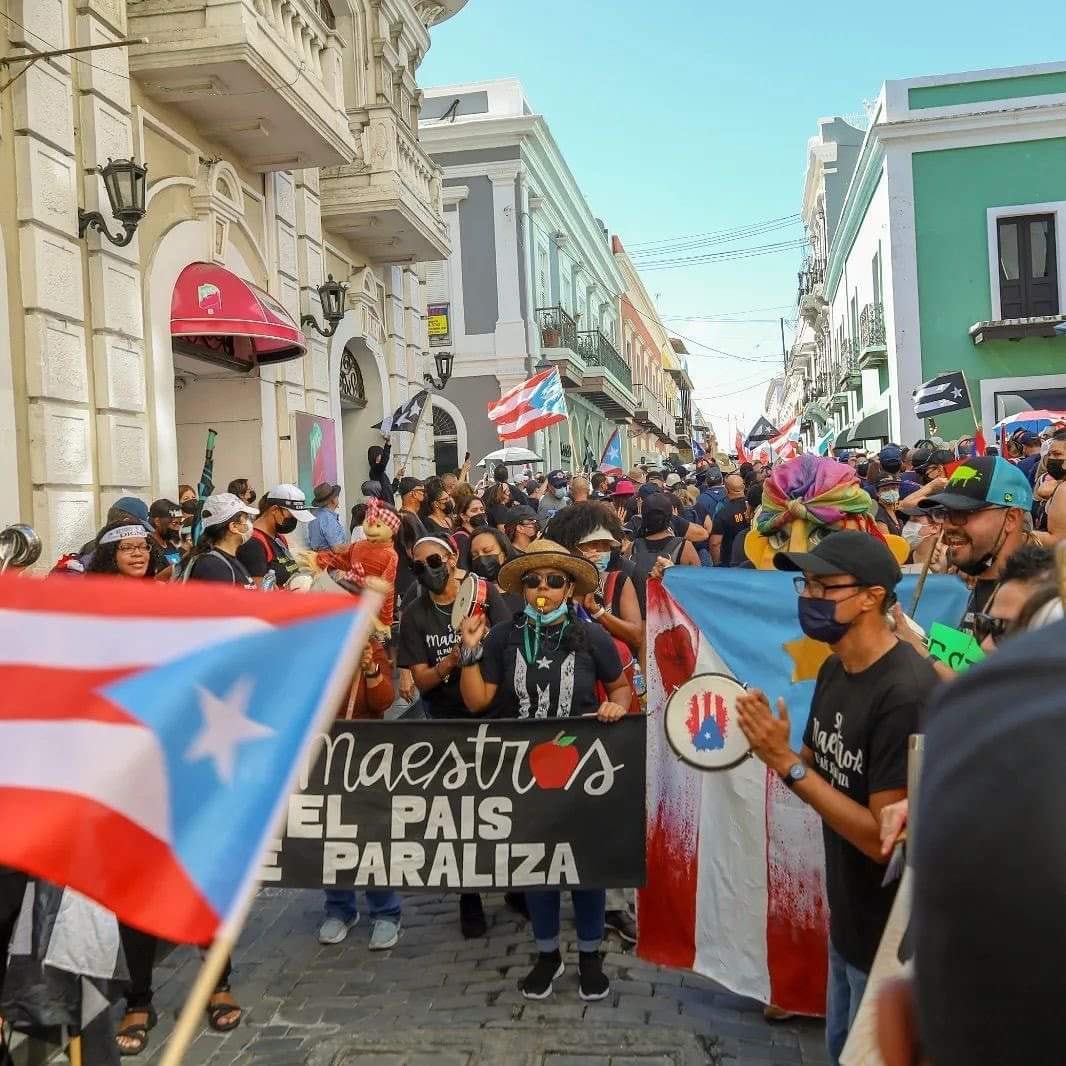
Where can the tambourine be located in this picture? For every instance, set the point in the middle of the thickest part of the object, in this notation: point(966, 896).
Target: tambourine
point(701, 723)
point(471, 600)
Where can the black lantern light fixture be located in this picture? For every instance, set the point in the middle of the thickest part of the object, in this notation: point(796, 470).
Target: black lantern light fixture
point(124, 181)
point(331, 295)
point(443, 361)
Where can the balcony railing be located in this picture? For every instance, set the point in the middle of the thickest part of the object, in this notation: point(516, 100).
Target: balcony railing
point(812, 274)
point(873, 346)
point(557, 328)
point(848, 375)
point(262, 77)
point(597, 350)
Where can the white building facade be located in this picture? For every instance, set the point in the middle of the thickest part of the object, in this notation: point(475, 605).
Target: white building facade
point(281, 145)
point(531, 279)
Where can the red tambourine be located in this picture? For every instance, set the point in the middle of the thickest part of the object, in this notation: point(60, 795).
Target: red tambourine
point(471, 600)
point(701, 723)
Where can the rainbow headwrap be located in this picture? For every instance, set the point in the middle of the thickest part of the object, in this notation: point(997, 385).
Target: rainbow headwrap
point(813, 489)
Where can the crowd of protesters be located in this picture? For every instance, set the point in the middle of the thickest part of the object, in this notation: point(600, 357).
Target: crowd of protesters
point(566, 559)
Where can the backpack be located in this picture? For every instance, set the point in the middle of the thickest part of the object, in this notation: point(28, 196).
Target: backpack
point(645, 553)
point(188, 568)
point(613, 586)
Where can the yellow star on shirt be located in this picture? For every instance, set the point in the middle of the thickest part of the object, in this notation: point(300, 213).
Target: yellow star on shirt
point(807, 657)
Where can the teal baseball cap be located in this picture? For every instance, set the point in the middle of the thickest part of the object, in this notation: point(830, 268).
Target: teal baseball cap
point(984, 481)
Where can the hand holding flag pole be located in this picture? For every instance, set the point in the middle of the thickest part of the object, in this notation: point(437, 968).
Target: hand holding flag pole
point(221, 949)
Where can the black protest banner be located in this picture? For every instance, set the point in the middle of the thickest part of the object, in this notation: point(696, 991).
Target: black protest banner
point(468, 805)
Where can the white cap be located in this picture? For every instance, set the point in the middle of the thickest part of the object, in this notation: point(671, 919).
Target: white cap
point(223, 507)
point(292, 498)
point(673, 479)
point(598, 534)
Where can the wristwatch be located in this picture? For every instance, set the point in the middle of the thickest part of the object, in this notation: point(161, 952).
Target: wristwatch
point(794, 774)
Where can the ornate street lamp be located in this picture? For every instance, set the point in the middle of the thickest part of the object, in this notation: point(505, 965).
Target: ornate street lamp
point(331, 294)
point(124, 183)
point(443, 361)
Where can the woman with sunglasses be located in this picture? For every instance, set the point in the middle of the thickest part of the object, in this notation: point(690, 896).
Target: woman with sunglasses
point(429, 647)
point(437, 508)
point(548, 663)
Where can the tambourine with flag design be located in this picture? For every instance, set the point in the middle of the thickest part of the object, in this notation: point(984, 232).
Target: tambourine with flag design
point(471, 599)
point(701, 723)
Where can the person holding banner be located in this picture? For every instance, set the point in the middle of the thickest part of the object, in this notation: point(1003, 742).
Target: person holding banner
point(866, 704)
point(548, 663)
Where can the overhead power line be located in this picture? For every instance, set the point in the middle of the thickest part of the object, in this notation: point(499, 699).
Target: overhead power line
point(713, 234)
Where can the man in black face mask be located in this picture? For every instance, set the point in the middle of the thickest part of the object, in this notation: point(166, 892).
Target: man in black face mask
point(280, 510)
point(658, 539)
point(1053, 518)
point(429, 647)
point(853, 761)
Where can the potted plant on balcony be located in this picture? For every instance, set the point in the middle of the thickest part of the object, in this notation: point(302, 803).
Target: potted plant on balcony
point(550, 335)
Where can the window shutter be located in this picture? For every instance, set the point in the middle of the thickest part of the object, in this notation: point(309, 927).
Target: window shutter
point(438, 282)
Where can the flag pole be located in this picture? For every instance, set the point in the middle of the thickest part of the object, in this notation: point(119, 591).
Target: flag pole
point(414, 433)
point(74, 1050)
point(969, 396)
point(221, 949)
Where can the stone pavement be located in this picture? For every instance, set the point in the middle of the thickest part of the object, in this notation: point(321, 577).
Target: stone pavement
point(439, 1000)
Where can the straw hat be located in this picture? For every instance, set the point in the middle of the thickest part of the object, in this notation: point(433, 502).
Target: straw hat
point(546, 554)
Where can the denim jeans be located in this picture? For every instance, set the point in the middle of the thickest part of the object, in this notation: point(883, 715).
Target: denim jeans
point(380, 903)
point(847, 984)
point(589, 907)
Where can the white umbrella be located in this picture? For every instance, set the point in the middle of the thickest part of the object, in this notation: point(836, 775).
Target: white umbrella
point(511, 457)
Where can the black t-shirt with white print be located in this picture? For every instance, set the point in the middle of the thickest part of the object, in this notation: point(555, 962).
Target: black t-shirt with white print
point(426, 636)
point(557, 684)
point(858, 731)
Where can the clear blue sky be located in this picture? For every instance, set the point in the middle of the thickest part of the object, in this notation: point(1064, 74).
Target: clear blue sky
point(684, 117)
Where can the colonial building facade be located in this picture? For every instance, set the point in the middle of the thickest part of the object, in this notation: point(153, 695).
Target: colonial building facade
point(944, 256)
point(531, 280)
point(281, 146)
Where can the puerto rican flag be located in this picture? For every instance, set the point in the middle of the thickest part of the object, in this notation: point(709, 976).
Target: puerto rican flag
point(735, 887)
point(150, 735)
point(535, 404)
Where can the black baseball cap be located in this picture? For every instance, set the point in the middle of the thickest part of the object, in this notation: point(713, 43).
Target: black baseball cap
point(847, 551)
point(164, 509)
point(558, 478)
point(521, 513)
point(659, 501)
point(409, 484)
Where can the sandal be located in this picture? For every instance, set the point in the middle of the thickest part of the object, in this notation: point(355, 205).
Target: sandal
point(137, 1034)
point(217, 1011)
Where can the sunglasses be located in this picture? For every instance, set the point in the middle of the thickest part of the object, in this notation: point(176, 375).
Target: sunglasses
point(431, 562)
point(553, 581)
point(953, 517)
point(987, 625)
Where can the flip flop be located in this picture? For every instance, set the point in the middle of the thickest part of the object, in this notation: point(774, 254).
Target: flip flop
point(217, 1011)
point(138, 1033)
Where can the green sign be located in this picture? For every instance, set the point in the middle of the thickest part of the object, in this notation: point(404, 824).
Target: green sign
point(954, 647)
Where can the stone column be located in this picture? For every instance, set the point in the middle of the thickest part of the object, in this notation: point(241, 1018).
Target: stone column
point(510, 327)
point(310, 265)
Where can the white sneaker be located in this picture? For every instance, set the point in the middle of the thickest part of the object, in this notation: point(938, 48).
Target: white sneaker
point(384, 933)
point(335, 930)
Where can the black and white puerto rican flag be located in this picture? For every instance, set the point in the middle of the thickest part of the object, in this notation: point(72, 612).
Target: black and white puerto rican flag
point(942, 395)
point(406, 417)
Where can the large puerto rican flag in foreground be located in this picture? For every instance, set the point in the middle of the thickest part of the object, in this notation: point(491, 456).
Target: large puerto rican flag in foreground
point(150, 734)
point(736, 885)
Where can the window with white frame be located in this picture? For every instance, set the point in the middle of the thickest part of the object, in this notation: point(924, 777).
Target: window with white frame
point(1028, 266)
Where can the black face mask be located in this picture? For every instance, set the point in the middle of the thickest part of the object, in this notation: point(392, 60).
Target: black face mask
point(487, 566)
point(449, 507)
point(479, 520)
point(288, 525)
point(1055, 468)
point(434, 578)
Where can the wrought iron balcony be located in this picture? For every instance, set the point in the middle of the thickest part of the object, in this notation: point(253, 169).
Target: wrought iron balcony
point(812, 275)
point(873, 346)
point(557, 328)
point(848, 375)
point(263, 78)
point(599, 351)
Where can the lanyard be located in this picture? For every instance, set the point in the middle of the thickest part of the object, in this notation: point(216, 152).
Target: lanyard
point(531, 655)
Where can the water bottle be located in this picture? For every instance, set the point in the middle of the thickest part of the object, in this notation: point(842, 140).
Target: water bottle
point(640, 686)
point(270, 581)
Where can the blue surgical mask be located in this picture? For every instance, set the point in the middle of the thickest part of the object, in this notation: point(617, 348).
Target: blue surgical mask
point(889, 496)
point(601, 561)
point(817, 618)
point(546, 619)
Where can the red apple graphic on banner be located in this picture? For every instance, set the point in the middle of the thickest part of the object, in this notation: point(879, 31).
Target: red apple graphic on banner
point(553, 762)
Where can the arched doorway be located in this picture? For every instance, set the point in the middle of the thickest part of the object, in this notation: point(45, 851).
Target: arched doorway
point(445, 442)
point(362, 405)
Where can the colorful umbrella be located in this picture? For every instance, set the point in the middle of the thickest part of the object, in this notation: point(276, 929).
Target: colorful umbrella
point(1034, 421)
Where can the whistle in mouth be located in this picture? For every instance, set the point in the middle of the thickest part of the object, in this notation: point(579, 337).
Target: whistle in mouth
point(541, 601)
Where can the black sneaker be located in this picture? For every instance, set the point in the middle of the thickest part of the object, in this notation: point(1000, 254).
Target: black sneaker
point(537, 984)
point(471, 916)
point(592, 981)
point(623, 923)
point(517, 902)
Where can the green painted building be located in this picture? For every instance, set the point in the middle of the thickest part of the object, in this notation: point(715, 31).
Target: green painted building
point(949, 253)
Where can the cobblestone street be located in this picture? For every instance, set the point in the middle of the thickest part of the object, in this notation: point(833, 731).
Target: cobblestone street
point(438, 1000)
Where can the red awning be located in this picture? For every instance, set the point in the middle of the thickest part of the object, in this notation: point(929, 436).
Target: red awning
point(218, 316)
